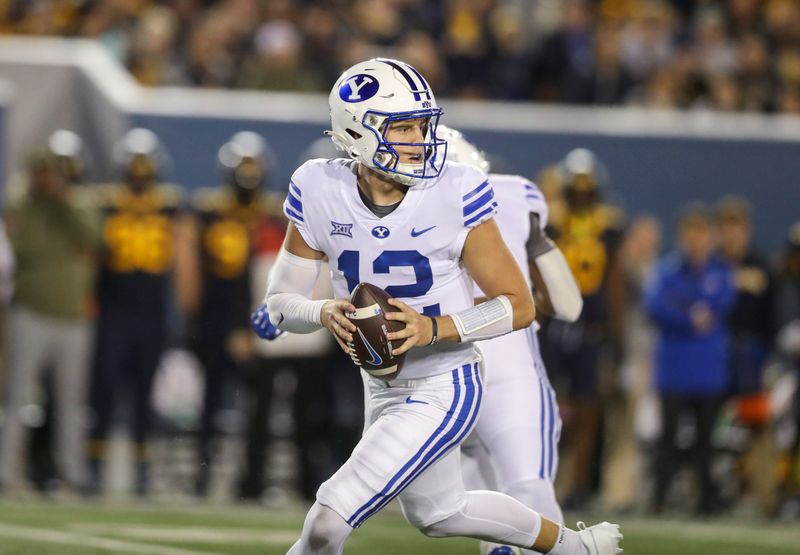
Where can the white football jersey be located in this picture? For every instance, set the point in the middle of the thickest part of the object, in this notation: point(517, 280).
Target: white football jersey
point(414, 253)
point(516, 198)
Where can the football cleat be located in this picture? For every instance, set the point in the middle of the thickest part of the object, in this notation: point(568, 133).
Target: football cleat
point(488, 548)
point(601, 539)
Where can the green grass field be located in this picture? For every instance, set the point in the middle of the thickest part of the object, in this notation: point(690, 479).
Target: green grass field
point(38, 528)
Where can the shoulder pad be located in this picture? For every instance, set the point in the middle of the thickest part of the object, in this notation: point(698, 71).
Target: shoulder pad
point(170, 193)
point(611, 216)
point(106, 194)
point(208, 199)
point(271, 203)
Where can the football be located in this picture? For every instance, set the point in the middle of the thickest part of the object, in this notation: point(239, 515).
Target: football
point(370, 349)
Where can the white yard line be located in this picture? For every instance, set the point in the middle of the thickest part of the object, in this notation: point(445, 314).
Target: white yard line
point(83, 540)
point(203, 534)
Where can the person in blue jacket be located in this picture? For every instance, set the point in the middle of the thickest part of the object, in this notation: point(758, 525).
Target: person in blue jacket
point(689, 301)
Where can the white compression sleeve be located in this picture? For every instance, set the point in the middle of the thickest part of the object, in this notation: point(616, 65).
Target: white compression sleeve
point(489, 319)
point(562, 289)
point(288, 298)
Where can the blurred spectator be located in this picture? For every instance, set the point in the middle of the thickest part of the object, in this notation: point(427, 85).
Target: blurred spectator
point(743, 53)
point(152, 58)
point(752, 319)
point(564, 64)
point(588, 232)
point(228, 219)
point(513, 53)
point(625, 468)
point(141, 246)
point(322, 31)
point(54, 234)
point(612, 80)
point(789, 278)
point(466, 45)
point(647, 41)
point(278, 63)
point(752, 324)
point(716, 53)
point(789, 347)
point(689, 301)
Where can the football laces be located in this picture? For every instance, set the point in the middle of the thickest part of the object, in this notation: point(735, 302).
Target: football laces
point(353, 355)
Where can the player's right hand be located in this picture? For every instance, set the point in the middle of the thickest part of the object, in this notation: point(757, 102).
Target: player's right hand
point(333, 316)
point(260, 323)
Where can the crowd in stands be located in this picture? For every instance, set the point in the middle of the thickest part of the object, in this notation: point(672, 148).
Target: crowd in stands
point(728, 55)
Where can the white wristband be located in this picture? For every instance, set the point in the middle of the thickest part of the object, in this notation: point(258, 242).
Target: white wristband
point(489, 319)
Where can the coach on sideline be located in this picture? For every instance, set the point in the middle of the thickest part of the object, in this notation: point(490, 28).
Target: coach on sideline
point(689, 301)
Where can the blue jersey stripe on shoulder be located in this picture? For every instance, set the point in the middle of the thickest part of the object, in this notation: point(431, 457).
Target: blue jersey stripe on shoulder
point(479, 203)
point(295, 189)
point(294, 202)
point(477, 217)
point(475, 191)
point(292, 215)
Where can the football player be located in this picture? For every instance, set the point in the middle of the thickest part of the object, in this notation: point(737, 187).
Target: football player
point(397, 216)
point(140, 250)
point(588, 231)
point(228, 219)
point(518, 430)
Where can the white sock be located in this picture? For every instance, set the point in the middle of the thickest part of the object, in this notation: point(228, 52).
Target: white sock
point(324, 533)
point(568, 543)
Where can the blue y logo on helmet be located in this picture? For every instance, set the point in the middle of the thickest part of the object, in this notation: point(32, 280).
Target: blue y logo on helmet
point(359, 88)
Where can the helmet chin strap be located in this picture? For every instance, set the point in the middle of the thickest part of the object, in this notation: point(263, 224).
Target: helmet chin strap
point(406, 169)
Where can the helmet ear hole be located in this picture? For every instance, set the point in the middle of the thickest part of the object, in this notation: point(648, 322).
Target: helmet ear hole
point(353, 134)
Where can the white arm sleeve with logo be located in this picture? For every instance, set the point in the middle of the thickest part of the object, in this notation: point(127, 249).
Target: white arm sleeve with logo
point(288, 298)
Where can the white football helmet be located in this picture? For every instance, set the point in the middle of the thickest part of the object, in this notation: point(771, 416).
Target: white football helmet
point(459, 149)
point(371, 95)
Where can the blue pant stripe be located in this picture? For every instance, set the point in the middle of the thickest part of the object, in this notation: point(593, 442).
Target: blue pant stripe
point(445, 422)
point(541, 429)
point(550, 436)
point(452, 438)
point(553, 440)
point(432, 454)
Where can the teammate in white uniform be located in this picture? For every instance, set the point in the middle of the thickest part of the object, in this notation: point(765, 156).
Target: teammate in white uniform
point(397, 216)
point(514, 447)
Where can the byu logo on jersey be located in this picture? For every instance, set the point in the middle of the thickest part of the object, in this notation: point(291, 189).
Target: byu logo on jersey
point(341, 229)
point(381, 232)
point(359, 88)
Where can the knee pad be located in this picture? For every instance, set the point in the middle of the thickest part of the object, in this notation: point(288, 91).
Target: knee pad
point(324, 526)
point(441, 529)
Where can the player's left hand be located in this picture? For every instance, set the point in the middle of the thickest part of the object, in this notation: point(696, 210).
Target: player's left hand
point(259, 321)
point(418, 331)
